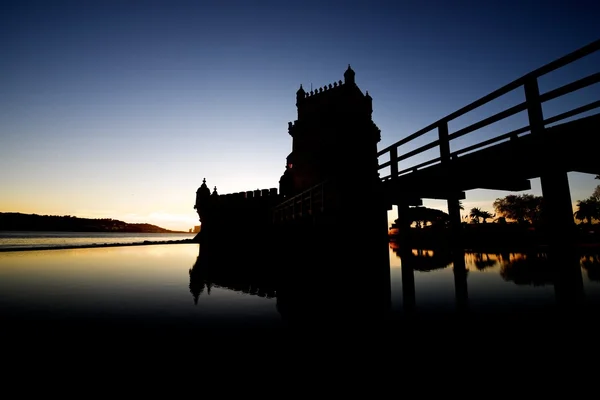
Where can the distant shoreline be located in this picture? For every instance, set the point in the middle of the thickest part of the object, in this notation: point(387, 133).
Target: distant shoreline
point(97, 245)
point(15, 221)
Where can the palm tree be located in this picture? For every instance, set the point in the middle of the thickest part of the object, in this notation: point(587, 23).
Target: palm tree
point(485, 215)
point(587, 210)
point(475, 214)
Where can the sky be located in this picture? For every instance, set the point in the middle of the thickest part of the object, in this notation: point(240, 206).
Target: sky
point(119, 109)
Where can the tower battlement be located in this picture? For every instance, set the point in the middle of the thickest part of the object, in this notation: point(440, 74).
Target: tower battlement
point(324, 89)
point(340, 101)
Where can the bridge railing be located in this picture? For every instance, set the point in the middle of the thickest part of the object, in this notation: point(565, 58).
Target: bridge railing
point(307, 203)
point(532, 104)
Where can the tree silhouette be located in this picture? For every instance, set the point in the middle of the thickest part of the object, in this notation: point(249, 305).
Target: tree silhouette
point(587, 210)
point(596, 193)
point(525, 208)
point(485, 215)
point(422, 215)
point(475, 214)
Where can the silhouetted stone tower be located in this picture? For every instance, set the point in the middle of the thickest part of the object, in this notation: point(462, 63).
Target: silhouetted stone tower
point(334, 153)
point(333, 137)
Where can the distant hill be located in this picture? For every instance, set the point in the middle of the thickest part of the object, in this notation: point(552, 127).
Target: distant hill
point(67, 223)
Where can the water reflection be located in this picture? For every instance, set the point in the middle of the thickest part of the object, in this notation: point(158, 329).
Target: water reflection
point(560, 269)
point(528, 269)
point(591, 264)
point(327, 282)
point(200, 280)
point(460, 280)
point(314, 280)
point(423, 260)
point(427, 260)
point(430, 260)
point(481, 261)
point(233, 274)
point(122, 289)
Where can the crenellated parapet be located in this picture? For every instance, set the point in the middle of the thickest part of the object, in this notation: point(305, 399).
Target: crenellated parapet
point(249, 197)
point(324, 89)
point(235, 212)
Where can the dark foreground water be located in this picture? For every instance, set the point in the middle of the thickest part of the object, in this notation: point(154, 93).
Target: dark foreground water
point(164, 295)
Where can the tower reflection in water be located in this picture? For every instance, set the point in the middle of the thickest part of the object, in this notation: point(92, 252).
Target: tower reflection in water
point(330, 282)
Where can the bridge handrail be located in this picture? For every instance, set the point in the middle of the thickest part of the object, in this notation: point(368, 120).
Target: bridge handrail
point(291, 200)
point(301, 203)
point(514, 133)
point(533, 99)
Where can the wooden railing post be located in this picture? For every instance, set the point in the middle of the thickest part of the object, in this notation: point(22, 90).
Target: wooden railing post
point(534, 106)
point(444, 141)
point(394, 162)
point(453, 198)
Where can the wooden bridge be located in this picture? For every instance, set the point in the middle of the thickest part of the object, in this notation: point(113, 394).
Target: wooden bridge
point(547, 148)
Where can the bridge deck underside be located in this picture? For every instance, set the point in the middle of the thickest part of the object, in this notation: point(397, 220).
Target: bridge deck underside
point(508, 165)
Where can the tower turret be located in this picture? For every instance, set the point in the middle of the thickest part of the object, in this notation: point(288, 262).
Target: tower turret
point(300, 94)
point(202, 206)
point(202, 194)
point(349, 76)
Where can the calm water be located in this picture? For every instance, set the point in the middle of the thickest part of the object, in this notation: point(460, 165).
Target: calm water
point(24, 239)
point(163, 285)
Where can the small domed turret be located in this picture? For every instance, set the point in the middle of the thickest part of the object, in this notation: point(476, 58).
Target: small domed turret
point(349, 76)
point(300, 95)
point(202, 194)
point(203, 190)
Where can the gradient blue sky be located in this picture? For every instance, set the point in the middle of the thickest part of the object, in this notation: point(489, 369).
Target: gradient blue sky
point(119, 108)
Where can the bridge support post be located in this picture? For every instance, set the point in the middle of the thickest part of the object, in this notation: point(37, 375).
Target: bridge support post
point(557, 218)
point(455, 222)
point(403, 224)
point(453, 198)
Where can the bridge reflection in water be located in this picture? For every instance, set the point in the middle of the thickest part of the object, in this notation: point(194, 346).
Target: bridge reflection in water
point(560, 269)
point(334, 286)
